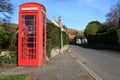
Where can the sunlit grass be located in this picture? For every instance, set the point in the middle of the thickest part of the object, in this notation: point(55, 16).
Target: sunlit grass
point(15, 77)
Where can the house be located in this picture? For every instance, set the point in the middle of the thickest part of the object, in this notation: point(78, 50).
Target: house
point(71, 34)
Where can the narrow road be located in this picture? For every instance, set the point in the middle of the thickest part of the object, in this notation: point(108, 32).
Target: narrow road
point(105, 63)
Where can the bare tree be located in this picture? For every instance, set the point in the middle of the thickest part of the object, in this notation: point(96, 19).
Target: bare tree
point(6, 9)
point(113, 17)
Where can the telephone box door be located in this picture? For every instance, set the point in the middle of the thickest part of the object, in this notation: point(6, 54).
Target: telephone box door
point(28, 56)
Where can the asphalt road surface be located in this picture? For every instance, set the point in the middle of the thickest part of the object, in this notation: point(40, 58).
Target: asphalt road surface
point(105, 63)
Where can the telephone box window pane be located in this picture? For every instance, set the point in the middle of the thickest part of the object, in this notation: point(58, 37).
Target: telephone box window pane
point(30, 28)
point(29, 22)
point(29, 17)
point(31, 45)
point(31, 33)
point(31, 39)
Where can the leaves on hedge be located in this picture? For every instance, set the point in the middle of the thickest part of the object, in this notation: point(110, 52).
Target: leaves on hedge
point(54, 37)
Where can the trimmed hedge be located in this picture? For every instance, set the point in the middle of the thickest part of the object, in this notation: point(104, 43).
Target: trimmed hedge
point(118, 36)
point(54, 38)
point(105, 38)
point(66, 39)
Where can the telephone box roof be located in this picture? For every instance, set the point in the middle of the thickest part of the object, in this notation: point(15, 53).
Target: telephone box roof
point(31, 4)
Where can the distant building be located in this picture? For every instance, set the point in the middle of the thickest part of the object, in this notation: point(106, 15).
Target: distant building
point(71, 34)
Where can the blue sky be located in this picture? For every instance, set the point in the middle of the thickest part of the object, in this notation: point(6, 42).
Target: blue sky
point(75, 14)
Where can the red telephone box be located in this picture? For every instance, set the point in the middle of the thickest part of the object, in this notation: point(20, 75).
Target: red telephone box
point(32, 34)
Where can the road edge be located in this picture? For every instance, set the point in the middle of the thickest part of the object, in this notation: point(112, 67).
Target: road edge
point(93, 74)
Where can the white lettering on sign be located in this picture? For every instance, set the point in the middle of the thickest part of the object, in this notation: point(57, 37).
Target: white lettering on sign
point(30, 8)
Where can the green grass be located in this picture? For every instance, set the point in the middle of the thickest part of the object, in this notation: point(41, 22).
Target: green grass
point(14, 77)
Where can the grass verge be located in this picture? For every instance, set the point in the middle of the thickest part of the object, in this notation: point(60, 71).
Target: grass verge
point(16, 77)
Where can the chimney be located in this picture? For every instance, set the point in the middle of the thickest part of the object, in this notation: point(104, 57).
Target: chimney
point(59, 20)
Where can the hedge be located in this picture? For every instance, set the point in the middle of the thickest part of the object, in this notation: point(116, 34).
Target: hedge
point(54, 38)
point(118, 36)
point(105, 38)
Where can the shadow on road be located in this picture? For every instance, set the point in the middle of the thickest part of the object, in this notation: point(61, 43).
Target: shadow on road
point(98, 47)
point(90, 46)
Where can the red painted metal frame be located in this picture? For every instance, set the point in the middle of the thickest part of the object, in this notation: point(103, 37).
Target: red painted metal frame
point(28, 56)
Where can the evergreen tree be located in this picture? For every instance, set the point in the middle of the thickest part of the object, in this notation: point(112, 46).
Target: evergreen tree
point(92, 28)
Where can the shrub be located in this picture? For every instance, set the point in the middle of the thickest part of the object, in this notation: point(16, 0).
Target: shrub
point(11, 59)
point(7, 40)
point(4, 39)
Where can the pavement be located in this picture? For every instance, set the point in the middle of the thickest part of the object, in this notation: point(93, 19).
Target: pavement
point(62, 67)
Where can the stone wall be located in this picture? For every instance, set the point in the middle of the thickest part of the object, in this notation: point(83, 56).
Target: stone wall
point(55, 52)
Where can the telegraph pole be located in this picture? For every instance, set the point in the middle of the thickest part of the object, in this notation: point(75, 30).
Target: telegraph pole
point(60, 24)
point(119, 22)
point(61, 41)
